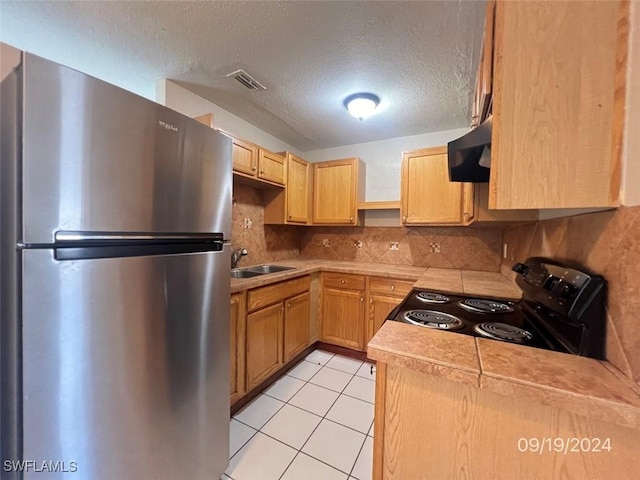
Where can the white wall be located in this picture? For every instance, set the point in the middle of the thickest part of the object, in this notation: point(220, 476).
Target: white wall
point(384, 159)
point(188, 103)
point(9, 58)
point(631, 151)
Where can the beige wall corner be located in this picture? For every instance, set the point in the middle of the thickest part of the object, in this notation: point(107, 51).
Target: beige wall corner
point(9, 58)
point(631, 149)
point(188, 103)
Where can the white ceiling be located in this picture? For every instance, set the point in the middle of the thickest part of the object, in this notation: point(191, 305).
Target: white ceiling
point(419, 57)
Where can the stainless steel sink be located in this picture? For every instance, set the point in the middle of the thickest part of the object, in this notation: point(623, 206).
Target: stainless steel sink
point(244, 274)
point(249, 272)
point(269, 269)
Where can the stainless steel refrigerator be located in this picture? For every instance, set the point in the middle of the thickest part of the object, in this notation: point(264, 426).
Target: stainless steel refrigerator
point(114, 336)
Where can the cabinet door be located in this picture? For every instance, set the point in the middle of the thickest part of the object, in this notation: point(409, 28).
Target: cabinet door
point(334, 192)
point(264, 343)
point(427, 195)
point(296, 325)
point(343, 318)
point(379, 308)
point(244, 157)
point(271, 167)
point(297, 190)
point(237, 346)
point(558, 104)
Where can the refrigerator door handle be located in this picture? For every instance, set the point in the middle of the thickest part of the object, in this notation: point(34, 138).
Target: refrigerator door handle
point(64, 237)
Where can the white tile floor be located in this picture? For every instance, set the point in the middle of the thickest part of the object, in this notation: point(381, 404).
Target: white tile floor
point(315, 423)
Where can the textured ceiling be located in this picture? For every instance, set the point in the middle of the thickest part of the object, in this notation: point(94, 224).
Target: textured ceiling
point(419, 57)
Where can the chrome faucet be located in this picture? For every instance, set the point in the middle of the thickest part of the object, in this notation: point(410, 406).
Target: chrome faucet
point(236, 255)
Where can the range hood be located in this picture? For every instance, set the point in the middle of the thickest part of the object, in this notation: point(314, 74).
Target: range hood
point(470, 155)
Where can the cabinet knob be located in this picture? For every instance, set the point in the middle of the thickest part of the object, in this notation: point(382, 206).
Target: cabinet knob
point(351, 219)
point(404, 218)
point(342, 281)
point(261, 172)
point(253, 168)
point(282, 309)
point(362, 299)
point(393, 287)
point(289, 217)
point(288, 305)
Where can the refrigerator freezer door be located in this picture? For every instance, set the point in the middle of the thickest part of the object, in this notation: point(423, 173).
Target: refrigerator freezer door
point(126, 365)
point(99, 158)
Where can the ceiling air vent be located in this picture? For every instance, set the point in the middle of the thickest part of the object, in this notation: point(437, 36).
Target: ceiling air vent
point(247, 80)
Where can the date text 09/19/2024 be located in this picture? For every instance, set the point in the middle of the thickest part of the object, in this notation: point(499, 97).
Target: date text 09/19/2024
point(564, 445)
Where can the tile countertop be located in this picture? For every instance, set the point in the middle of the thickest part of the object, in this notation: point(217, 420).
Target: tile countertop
point(584, 386)
point(441, 279)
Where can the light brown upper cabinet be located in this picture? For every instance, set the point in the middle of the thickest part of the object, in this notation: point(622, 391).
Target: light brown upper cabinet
point(484, 78)
point(558, 104)
point(256, 165)
point(244, 157)
point(290, 205)
point(427, 197)
point(298, 186)
point(338, 186)
point(271, 166)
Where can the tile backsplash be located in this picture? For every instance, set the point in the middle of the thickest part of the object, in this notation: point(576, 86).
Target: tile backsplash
point(607, 243)
point(265, 243)
point(446, 247)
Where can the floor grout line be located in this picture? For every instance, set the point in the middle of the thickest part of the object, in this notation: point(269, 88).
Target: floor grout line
point(323, 417)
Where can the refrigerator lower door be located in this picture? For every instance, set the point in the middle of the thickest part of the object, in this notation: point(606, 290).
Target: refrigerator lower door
point(126, 366)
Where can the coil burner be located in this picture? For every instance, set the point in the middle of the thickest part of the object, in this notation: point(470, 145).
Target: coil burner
point(433, 319)
point(502, 331)
point(430, 297)
point(479, 305)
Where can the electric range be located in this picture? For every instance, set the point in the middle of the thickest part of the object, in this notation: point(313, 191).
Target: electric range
point(562, 309)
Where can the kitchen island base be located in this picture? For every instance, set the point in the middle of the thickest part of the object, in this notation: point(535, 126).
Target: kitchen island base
point(430, 427)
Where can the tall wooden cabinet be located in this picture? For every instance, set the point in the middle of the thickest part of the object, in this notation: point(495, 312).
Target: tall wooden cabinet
point(427, 196)
point(298, 189)
point(558, 104)
point(338, 186)
point(342, 310)
point(291, 205)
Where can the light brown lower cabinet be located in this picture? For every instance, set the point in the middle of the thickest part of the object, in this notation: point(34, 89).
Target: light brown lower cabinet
point(296, 325)
point(379, 308)
point(264, 344)
point(428, 426)
point(237, 334)
point(384, 295)
point(343, 317)
point(277, 327)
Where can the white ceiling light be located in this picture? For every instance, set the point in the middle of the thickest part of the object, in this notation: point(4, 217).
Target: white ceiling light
point(362, 105)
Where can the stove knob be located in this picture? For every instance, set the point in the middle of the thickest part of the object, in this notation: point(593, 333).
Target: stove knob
point(567, 291)
point(520, 268)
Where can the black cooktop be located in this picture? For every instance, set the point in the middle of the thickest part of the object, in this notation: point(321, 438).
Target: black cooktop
point(471, 316)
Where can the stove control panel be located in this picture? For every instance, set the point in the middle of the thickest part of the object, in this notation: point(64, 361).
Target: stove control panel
point(557, 286)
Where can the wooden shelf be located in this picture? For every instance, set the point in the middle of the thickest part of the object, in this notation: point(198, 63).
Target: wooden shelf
point(391, 205)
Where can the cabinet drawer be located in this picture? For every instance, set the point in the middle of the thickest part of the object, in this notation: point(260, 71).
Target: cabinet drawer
point(390, 286)
point(343, 281)
point(264, 296)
